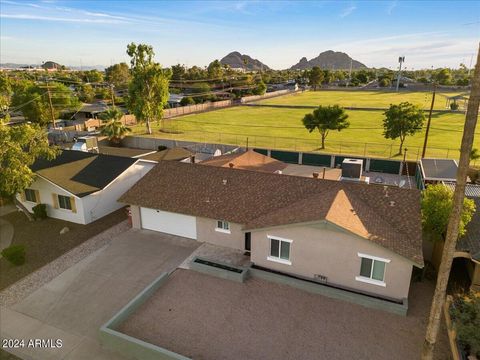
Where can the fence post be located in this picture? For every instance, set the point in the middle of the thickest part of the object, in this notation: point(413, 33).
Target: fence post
point(365, 150)
point(391, 146)
point(448, 152)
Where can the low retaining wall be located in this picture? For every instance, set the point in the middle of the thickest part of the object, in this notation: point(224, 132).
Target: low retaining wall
point(130, 346)
point(344, 295)
point(218, 271)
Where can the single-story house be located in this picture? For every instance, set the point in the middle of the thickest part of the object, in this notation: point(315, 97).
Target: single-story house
point(247, 160)
point(81, 187)
point(359, 237)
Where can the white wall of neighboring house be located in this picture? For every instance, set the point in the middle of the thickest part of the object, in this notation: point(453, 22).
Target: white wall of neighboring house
point(168, 222)
point(46, 190)
point(93, 206)
point(104, 202)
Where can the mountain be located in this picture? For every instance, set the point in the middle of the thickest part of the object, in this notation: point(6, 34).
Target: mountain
point(237, 60)
point(329, 60)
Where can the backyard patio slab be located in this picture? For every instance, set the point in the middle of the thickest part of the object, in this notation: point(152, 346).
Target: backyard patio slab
point(204, 317)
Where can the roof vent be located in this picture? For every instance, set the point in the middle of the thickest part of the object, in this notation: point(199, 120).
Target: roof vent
point(231, 165)
point(224, 181)
point(392, 203)
point(385, 190)
point(315, 175)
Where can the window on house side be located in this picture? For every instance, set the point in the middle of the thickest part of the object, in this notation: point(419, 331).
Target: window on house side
point(64, 202)
point(30, 195)
point(372, 269)
point(280, 249)
point(223, 225)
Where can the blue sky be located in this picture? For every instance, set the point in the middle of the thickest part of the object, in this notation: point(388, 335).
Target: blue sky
point(427, 33)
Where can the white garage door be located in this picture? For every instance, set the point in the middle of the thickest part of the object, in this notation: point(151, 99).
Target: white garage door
point(170, 223)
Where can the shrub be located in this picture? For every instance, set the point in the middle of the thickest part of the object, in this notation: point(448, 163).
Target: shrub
point(187, 100)
point(15, 254)
point(40, 211)
point(454, 106)
point(161, 147)
point(465, 312)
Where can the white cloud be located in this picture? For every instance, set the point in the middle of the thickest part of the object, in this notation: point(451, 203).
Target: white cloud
point(347, 11)
point(391, 7)
point(62, 19)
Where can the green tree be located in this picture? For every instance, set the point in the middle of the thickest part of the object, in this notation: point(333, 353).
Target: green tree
point(437, 201)
point(148, 90)
point(326, 118)
point(215, 70)
point(114, 129)
point(86, 93)
point(34, 101)
point(118, 75)
point(178, 72)
point(384, 82)
point(187, 100)
point(93, 76)
point(20, 146)
point(202, 92)
point(444, 77)
point(5, 92)
point(260, 88)
point(402, 120)
point(315, 77)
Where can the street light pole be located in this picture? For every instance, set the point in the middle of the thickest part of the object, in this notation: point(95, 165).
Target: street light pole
point(429, 121)
point(401, 60)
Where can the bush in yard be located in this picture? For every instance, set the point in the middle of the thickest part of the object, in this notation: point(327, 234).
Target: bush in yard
point(15, 254)
point(465, 312)
point(40, 211)
point(454, 106)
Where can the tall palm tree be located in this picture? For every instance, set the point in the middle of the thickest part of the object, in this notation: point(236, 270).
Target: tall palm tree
point(455, 216)
point(113, 129)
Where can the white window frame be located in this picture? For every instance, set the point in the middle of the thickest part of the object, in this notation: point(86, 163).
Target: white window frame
point(225, 227)
point(278, 259)
point(34, 195)
point(62, 208)
point(369, 280)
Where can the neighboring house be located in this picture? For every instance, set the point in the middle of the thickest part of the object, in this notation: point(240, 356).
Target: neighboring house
point(248, 160)
point(434, 171)
point(81, 187)
point(363, 238)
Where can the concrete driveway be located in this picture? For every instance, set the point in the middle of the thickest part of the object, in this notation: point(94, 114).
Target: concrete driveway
point(74, 305)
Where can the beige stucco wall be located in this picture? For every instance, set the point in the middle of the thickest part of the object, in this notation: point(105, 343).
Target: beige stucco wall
point(326, 250)
point(206, 233)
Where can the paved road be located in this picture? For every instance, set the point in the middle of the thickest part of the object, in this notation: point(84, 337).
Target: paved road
point(74, 305)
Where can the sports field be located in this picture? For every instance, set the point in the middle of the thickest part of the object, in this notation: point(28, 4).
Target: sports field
point(281, 128)
point(359, 98)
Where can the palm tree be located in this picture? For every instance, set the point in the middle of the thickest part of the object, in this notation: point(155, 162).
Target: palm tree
point(113, 129)
point(455, 217)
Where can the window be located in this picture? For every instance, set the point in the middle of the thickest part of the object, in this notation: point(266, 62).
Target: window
point(372, 270)
point(30, 195)
point(223, 226)
point(280, 250)
point(64, 202)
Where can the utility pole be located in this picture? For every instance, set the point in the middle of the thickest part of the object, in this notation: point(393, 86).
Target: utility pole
point(113, 95)
point(429, 120)
point(401, 60)
point(51, 106)
point(451, 237)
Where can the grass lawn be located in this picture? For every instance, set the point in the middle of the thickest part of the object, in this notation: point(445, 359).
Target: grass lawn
point(358, 98)
point(279, 128)
point(43, 242)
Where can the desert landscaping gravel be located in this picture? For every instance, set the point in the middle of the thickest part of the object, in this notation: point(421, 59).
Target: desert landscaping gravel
point(204, 317)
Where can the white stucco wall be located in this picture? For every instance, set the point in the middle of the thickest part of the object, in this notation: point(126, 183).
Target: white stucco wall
point(45, 190)
point(104, 202)
point(93, 206)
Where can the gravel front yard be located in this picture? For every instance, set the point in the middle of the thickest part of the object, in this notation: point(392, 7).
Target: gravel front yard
point(43, 242)
point(204, 317)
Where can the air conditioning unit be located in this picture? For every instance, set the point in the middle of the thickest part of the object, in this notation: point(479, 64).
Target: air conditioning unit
point(352, 169)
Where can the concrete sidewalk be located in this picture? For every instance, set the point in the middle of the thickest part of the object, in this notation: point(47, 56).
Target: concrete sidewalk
point(74, 305)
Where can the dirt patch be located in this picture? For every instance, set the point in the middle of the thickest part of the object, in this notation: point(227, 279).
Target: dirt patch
point(203, 317)
point(43, 242)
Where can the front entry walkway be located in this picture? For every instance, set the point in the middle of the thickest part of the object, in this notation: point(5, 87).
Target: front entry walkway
point(74, 305)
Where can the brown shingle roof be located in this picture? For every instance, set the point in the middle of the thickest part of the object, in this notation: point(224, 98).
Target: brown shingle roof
point(249, 160)
point(258, 200)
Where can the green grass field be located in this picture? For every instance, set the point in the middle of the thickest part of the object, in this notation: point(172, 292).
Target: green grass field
point(357, 98)
point(282, 129)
